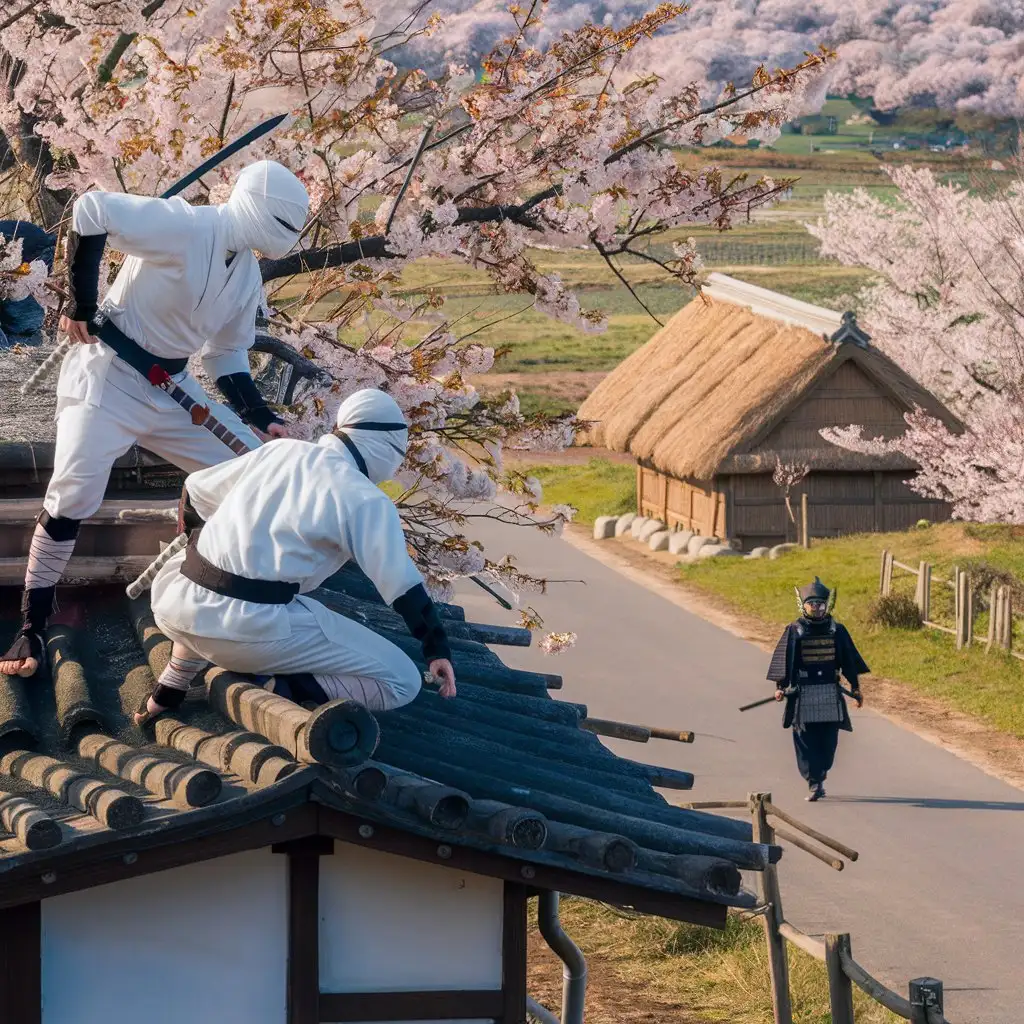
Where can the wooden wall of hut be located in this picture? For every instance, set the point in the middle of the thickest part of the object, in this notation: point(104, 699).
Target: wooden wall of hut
point(681, 504)
point(750, 508)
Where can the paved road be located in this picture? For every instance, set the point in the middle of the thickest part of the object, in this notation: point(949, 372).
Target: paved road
point(936, 891)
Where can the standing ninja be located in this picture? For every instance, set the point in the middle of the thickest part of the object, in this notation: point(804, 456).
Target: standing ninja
point(808, 660)
point(190, 283)
point(272, 525)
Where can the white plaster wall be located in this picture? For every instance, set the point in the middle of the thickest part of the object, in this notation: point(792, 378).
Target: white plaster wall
point(392, 924)
point(202, 944)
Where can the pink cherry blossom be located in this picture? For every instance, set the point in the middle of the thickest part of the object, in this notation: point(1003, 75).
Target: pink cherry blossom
point(438, 167)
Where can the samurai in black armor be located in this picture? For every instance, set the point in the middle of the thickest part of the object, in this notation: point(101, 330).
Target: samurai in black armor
point(806, 666)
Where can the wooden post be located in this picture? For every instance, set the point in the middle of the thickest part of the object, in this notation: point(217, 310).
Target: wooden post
point(993, 618)
point(768, 890)
point(923, 593)
point(1008, 618)
point(959, 603)
point(924, 993)
point(968, 611)
point(639, 489)
point(21, 985)
point(805, 532)
point(885, 578)
point(840, 988)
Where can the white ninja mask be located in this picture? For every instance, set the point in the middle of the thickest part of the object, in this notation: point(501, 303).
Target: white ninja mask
point(373, 429)
point(267, 210)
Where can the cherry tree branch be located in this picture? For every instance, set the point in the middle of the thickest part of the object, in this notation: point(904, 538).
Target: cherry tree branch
point(19, 14)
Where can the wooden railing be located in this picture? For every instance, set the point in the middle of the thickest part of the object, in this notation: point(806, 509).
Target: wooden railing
point(1001, 614)
point(925, 1002)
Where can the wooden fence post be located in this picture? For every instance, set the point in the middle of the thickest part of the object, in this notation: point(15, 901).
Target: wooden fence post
point(805, 535)
point(885, 581)
point(1008, 618)
point(768, 889)
point(923, 594)
point(993, 617)
point(969, 611)
point(840, 988)
point(960, 602)
point(924, 993)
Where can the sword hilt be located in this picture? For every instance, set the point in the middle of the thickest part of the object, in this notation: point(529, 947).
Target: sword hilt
point(46, 367)
point(201, 415)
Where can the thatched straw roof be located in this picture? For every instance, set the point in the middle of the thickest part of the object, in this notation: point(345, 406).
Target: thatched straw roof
point(711, 384)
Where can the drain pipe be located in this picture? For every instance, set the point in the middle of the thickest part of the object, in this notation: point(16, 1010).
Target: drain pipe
point(574, 973)
point(541, 1013)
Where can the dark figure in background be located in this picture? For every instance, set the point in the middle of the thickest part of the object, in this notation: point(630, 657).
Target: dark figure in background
point(21, 318)
point(808, 660)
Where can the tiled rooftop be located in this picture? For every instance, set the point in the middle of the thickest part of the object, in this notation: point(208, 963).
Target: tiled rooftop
point(503, 766)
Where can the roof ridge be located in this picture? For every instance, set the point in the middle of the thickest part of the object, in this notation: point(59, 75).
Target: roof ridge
point(773, 305)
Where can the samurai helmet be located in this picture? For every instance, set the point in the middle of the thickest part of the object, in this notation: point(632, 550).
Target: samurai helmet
point(816, 591)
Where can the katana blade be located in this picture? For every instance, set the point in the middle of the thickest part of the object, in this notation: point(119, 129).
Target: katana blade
point(223, 154)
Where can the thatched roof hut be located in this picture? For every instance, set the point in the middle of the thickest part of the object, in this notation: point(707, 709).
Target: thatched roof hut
point(740, 379)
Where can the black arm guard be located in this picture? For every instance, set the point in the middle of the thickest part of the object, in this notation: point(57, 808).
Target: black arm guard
point(84, 257)
point(188, 518)
point(245, 398)
point(424, 623)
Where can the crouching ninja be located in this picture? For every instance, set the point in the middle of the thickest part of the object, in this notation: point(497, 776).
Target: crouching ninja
point(190, 284)
point(272, 525)
point(806, 665)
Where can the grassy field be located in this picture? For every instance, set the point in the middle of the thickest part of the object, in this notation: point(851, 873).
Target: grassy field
point(988, 686)
point(595, 488)
point(644, 969)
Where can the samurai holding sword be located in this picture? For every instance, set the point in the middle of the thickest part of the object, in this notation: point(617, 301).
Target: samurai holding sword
point(273, 524)
point(808, 660)
point(190, 284)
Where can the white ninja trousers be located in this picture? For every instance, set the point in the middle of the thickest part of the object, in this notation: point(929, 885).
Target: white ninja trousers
point(347, 659)
point(90, 438)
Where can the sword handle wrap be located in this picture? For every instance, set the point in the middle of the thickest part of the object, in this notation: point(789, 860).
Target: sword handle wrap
point(143, 583)
point(46, 367)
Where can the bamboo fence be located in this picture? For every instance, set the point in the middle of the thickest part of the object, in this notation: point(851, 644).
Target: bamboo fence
point(1001, 613)
point(924, 1003)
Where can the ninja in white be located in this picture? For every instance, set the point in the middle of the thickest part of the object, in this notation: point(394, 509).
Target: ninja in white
point(274, 524)
point(190, 284)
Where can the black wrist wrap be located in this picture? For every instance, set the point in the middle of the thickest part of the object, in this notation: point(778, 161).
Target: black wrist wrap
point(85, 253)
point(424, 623)
point(244, 397)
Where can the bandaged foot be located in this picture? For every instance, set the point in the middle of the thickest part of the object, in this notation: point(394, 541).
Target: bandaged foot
point(24, 655)
point(52, 544)
point(170, 689)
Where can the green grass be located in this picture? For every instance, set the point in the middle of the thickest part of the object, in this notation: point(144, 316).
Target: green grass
point(596, 488)
point(717, 975)
point(988, 686)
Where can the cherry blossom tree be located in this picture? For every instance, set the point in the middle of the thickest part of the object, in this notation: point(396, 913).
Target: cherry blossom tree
point(786, 476)
point(948, 306)
point(961, 55)
point(551, 145)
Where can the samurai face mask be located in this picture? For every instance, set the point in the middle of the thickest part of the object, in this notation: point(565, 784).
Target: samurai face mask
point(816, 600)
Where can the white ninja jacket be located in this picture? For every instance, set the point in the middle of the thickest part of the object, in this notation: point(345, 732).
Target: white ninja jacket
point(290, 511)
point(170, 247)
